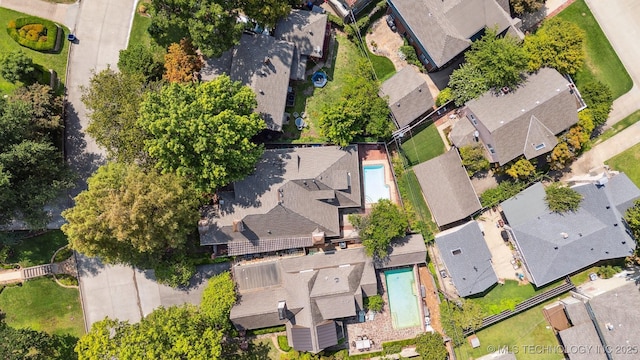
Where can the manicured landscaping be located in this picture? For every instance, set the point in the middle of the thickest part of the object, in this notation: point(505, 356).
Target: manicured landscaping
point(618, 127)
point(140, 35)
point(423, 146)
point(628, 162)
point(507, 296)
point(526, 329)
point(45, 61)
point(41, 304)
point(36, 250)
point(601, 61)
point(34, 33)
point(383, 67)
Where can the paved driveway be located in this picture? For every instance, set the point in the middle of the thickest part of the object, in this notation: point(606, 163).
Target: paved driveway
point(124, 293)
point(102, 30)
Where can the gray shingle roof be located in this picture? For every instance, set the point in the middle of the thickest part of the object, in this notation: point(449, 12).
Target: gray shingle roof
point(409, 95)
point(291, 193)
point(301, 338)
point(554, 245)
point(264, 64)
point(467, 258)
point(543, 106)
point(445, 27)
point(582, 335)
point(447, 188)
point(308, 286)
point(305, 29)
point(406, 251)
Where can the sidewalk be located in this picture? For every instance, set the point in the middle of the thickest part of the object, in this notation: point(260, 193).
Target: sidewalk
point(61, 13)
point(10, 276)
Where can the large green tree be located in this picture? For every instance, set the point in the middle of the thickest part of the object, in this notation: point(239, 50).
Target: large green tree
point(473, 159)
point(384, 223)
point(113, 100)
point(45, 107)
point(561, 198)
point(597, 95)
point(218, 298)
point(16, 66)
point(179, 332)
point(500, 60)
point(131, 216)
point(138, 59)
point(430, 346)
point(557, 44)
point(466, 83)
point(203, 132)
point(267, 12)
point(359, 111)
point(212, 25)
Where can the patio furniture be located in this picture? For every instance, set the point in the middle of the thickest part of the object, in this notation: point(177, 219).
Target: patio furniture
point(295, 114)
point(300, 123)
point(364, 344)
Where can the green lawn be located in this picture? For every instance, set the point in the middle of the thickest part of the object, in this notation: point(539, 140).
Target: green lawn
point(140, 35)
point(423, 146)
point(618, 127)
point(628, 162)
point(41, 304)
point(415, 197)
point(57, 62)
point(583, 276)
point(37, 250)
point(260, 349)
point(507, 296)
point(383, 67)
point(601, 61)
point(525, 329)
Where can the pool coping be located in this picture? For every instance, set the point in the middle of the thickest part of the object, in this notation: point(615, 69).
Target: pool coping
point(416, 296)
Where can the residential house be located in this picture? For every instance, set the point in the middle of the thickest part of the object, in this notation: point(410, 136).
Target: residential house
point(467, 258)
point(408, 96)
point(310, 33)
point(310, 295)
point(346, 9)
point(441, 30)
point(264, 64)
point(554, 245)
point(603, 325)
point(294, 199)
point(520, 121)
point(447, 189)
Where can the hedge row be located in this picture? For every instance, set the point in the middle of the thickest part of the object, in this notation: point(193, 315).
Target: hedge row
point(48, 30)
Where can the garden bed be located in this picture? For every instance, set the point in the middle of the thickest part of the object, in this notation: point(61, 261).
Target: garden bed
point(34, 33)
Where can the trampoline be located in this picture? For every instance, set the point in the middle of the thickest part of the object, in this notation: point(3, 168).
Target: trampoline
point(319, 79)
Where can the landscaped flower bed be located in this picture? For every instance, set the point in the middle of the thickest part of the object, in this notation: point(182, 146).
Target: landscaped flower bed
point(33, 32)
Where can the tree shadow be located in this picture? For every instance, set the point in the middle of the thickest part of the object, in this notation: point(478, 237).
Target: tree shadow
point(88, 266)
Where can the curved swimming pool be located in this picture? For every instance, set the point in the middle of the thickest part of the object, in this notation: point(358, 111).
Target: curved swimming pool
point(375, 187)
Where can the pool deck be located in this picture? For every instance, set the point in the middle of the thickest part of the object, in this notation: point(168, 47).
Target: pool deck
point(372, 155)
point(381, 328)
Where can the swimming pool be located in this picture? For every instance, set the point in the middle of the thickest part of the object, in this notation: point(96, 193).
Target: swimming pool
point(374, 186)
point(403, 301)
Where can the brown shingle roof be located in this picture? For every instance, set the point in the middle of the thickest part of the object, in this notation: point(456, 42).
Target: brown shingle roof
point(447, 188)
point(409, 96)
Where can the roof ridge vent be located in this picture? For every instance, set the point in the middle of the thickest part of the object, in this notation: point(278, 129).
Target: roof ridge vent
point(564, 235)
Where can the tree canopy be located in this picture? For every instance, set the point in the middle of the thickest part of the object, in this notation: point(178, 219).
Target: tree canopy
point(16, 66)
point(430, 346)
point(526, 6)
point(211, 25)
point(181, 62)
point(138, 59)
point(466, 83)
point(384, 223)
point(557, 44)
point(597, 95)
point(178, 332)
point(203, 132)
point(267, 12)
point(218, 298)
point(131, 216)
point(473, 159)
point(32, 171)
point(28, 344)
point(113, 100)
point(632, 217)
point(561, 198)
point(521, 170)
point(359, 111)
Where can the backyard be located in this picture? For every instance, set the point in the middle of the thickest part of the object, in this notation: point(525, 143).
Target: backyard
point(507, 296)
point(57, 62)
point(525, 329)
point(601, 62)
point(628, 162)
point(425, 145)
point(40, 304)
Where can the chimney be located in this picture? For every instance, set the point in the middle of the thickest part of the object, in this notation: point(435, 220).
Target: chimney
point(238, 226)
point(282, 310)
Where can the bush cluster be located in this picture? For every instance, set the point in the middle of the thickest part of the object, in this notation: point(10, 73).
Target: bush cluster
point(283, 343)
point(34, 33)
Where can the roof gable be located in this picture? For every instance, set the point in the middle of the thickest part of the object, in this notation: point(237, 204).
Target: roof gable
point(540, 140)
point(305, 29)
point(409, 95)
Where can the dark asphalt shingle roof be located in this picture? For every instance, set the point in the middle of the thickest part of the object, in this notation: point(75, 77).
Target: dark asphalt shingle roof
point(409, 95)
point(292, 193)
point(305, 29)
point(467, 258)
point(445, 27)
point(555, 245)
point(447, 188)
point(406, 251)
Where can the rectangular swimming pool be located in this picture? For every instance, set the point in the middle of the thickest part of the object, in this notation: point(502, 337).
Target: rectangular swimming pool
point(403, 300)
point(374, 186)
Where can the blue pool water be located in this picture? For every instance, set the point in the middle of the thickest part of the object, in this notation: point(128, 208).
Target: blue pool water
point(374, 186)
point(403, 301)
